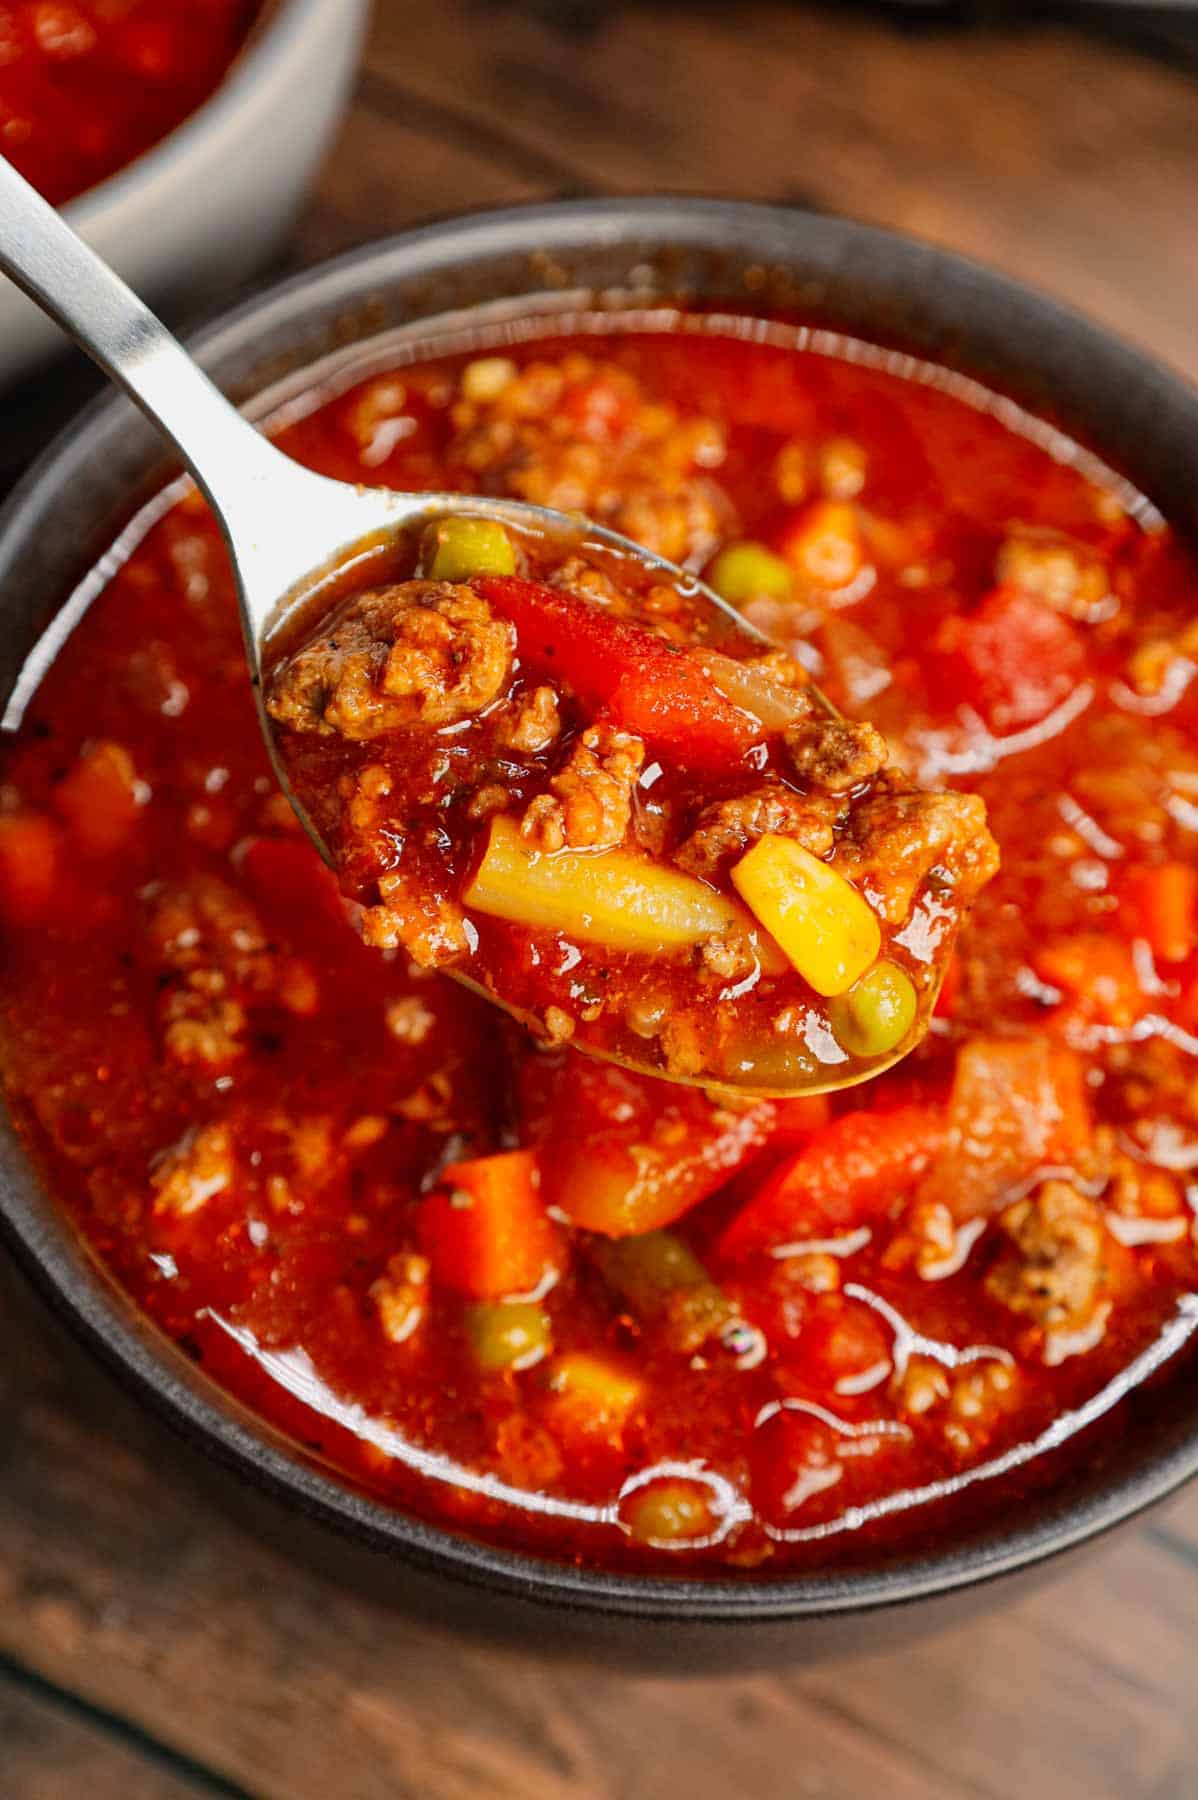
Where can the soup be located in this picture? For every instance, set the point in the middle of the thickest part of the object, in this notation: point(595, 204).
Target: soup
point(526, 1294)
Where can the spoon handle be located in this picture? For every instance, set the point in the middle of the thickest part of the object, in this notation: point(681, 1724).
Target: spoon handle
point(239, 471)
point(45, 257)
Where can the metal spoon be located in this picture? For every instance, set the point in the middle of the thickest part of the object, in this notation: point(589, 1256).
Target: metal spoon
point(286, 528)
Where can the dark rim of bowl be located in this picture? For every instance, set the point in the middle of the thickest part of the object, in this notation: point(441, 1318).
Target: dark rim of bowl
point(877, 285)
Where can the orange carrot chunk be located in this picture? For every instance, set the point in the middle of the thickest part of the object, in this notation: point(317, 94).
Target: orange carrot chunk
point(1160, 905)
point(485, 1230)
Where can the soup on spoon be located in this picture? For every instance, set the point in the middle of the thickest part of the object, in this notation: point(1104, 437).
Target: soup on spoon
point(540, 766)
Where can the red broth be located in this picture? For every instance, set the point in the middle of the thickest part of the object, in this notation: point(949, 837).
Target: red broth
point(86, 86)
point(525, 1294)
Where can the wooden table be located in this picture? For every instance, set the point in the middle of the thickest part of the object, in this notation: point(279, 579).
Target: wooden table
point(149, 1647)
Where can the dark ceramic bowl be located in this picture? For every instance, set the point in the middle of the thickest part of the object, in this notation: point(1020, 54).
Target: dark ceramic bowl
point(865, 282)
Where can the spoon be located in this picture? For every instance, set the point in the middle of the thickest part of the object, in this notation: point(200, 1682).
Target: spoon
point(289, 531)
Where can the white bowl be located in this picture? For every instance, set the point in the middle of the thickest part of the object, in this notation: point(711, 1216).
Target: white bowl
point(207, 206)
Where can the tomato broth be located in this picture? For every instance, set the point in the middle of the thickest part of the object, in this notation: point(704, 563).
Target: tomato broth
point(527, 1294)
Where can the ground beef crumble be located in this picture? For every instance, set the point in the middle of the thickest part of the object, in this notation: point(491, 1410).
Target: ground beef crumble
point(1052, 1271)
point(427, 652)
point(726, 830)
point(590, 803)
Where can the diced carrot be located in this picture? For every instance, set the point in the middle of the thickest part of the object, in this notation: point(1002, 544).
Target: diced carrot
point(485, 1230)
point(1160, 905)
point(29, 850)
point(100, 799)
point(1098, 975)
point(638, 679)
point(1014, 659)
point(848, 1174)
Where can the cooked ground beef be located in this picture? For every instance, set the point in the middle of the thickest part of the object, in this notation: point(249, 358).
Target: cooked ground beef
point(897, 836)
point(1052, 1271)
point(535, 724)
point(725, 830)
point(216, 963)
point(421, 651)
point(590, 805)
point(836, 755)
point(579, 436)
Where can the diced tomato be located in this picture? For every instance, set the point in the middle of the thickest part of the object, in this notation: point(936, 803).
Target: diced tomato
point(848, 1174)
point(29, 866)
point(1017, 1105)
point(485, 1230)
point(638, 679)
point(1160, 905)
point(288, 872)
point(793, 1458)
point(843, 1348)
point(624, 1154)
point(1014, 659)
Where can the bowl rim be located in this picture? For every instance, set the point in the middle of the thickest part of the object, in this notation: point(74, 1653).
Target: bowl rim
point(100, 1313)
point(275, 35)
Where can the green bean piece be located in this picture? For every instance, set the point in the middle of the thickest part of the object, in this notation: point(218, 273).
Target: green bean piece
point(456, 549)
point(508, 1335)
point(877, 1012)
point(746, 572)
point(662, 1281)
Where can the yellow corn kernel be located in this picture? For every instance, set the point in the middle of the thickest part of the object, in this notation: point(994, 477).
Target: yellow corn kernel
point(485, 378)
point(616, 898)
point(597, 1386)
point(816, 916)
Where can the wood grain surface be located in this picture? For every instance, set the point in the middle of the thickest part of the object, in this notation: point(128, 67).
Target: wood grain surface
point(151, 1645)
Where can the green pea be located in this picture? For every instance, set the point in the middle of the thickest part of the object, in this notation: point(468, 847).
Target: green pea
point(648, 1268)
point(668, 1511)
point(509, 1334)
point(745, 572)
point(458, 548)
point(877, 1012)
